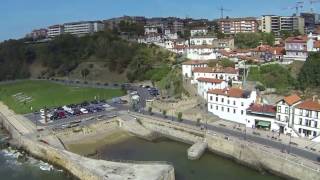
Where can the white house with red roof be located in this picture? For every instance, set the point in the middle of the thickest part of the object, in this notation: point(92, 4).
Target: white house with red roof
point(225, 74)
point(230, 103)
point(201, 52)
point(285, 113)
point(296, 48)
point(188, 66)
point(204, 84)
point(307, 119)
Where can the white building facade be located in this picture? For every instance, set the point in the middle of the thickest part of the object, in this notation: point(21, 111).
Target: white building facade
point(225, 74)
point(188, 66)
point(55, 30)
point(83, 27)
point(199, 31)
point(205, 84)
point(230, 104)
point(202, 40)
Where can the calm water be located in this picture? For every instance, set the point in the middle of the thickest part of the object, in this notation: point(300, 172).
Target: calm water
point(209, 167)
point(28, 168)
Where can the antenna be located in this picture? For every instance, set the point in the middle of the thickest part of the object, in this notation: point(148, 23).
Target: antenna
point(222, 10)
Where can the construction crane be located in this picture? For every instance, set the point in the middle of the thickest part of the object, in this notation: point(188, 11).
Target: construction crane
point(222, 10)
point(311, 4)
point(299, 4)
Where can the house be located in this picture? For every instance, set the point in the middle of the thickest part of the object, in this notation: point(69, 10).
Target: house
point(203, 52)
point(199, 31)
point(202, 40)
point(225, 44)
point(262, 116)
point(179, 49)
point(230, 103)
point(238, 25)
point(188, 66)
point(307, 118)
point(225, 74)
point(204, 84)
point(285, 113)
point(296, 48)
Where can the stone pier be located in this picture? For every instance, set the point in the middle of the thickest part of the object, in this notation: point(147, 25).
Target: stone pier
point(196, 150)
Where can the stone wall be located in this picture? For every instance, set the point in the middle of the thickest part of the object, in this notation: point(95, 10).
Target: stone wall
point(249, 154)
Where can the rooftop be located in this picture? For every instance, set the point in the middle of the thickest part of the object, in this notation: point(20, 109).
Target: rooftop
point(194, 62)
point(262, 109)
point(297, 39)
point(210, 80)
point(227, 70)
point(292, 99)
point(231, 92)
point(309, 105)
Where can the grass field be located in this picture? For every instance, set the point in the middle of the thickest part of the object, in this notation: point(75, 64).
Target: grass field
point(21, 96)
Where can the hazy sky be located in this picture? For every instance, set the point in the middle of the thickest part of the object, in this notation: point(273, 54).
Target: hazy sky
point(18, 17)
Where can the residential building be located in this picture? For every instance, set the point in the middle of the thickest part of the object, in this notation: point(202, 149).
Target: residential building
point(307, 118)
point(151, 29)
point(262, 116)
point(296, 48)
point(188, 66)
point(238, 25)
point(204, 84)
point(230, 103)
point(202, 40)
point(285, 113)
point(55, 30)
point(309, 21)
point(275, 24)
point(38, 34)
point(177, 26)
point(199, 31)
point(226, 44)
point(201, 52)
point(225, 74)
point(83, 27)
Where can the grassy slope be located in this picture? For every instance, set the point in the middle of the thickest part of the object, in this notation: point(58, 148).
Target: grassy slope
point(50, 94)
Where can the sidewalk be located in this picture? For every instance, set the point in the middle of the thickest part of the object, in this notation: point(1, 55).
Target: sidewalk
point(299, 142)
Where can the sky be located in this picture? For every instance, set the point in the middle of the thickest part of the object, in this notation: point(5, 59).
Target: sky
point(18, 17)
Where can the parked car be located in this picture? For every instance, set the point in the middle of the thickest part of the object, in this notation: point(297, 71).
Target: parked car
point(84, 111)
point(77, 112)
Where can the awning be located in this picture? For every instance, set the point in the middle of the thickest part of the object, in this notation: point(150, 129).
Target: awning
point(264, 123)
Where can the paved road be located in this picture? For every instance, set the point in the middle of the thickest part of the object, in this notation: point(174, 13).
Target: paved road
point(256, 139)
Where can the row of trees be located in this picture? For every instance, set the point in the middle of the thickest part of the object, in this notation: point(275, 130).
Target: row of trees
point(252, 40)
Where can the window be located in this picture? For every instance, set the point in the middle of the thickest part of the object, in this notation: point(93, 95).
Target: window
point(241, 103)
point(241, 112)
point(210, 106)
point(300, 121)
point(222, 100)
point(228, 101)
point(286, 110)
point(217, 107)
point(314, 133)
point(279, 118)
point(210, 98)
point(217, 98)
point(316, 124)
point(234, 111)
point(300, 130)
point(222, 108)
point(228, 110)
point(234, 102)
point(279, 109)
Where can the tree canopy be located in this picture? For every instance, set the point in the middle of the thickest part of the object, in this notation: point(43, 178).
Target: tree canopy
point(252, 40)
point(309, 75)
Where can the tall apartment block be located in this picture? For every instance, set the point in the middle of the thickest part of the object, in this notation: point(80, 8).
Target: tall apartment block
point(275, 24)
point(238, 25)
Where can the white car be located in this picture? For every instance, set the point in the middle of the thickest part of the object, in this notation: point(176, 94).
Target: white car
point(84, 111)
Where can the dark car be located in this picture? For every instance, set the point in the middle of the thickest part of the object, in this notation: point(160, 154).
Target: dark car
point(60, 108)
point(94, 102)
point(77, 112)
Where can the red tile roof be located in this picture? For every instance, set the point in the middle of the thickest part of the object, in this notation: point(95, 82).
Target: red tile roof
point(230, 92)
point(262, 108)
point(201, 47)
point(309, 105)
point(194, 62)
point(292, 99)
point(297, 39)
point(210, 80)
point(227, 70)
point(316, 44)
point(203, 69)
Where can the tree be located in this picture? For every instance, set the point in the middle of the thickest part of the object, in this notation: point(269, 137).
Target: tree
point(150, 110)
point(164, 113)
point(226, 63)
point(309, 75)
point(252, 40)
point(84, 73)
point(180, 116)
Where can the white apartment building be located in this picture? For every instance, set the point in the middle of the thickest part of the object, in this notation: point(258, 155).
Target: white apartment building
point(188, 66)
point(307, 118)
point(202, 40)
point(285, 113)
point(201, 52)
point(199, 31)
point(273, 23)
point(225, 74)
point(262, 116)
point(230, 103)
point(55, 30)
point(83, 27)
point(204, 84)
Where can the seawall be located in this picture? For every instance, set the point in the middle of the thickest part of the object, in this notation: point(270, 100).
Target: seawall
point(81, 167)
point(244, 152)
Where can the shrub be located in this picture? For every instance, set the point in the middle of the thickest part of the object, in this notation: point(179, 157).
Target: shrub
point(180, 116)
